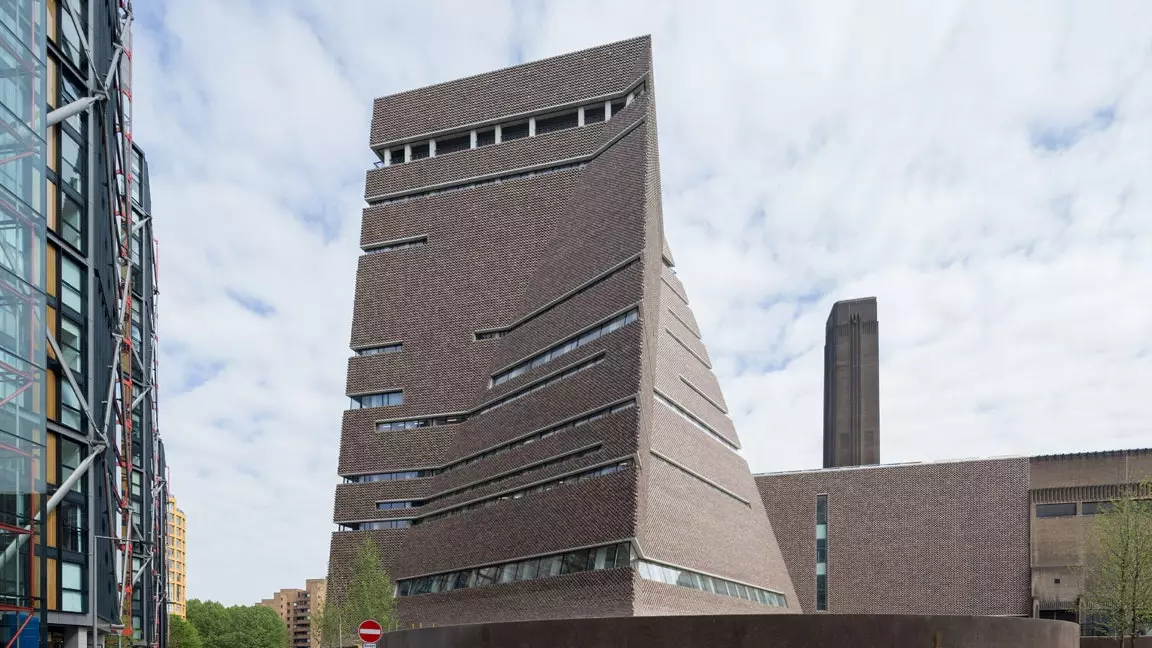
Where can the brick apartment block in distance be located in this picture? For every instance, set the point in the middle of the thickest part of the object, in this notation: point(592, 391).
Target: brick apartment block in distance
point(535, 429)
point(297, 607)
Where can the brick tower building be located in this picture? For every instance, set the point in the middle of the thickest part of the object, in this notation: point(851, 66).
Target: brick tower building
point(535, 430)
point(852, 384)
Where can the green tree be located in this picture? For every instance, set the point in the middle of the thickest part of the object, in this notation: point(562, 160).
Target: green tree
point(368, 596)
point(1119, 569)
point(239, 626)
point(182, 634)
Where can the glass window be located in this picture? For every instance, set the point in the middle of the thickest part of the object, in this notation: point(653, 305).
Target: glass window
point(1055, 510)
point(71, 284)
point(71, 221)
point(70, 92)
point(1094, 508)
point(822, 592)
point(70, 41)
point(576, 561)
point(136, 172)
point(70, 345)
point(70, 413)
point(71, 587)
point(71, 454)
point(72, 526)
point(71, 162)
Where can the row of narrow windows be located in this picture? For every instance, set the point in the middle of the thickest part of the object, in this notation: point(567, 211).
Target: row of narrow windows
point(389, 506)
point(479, 183)
point(569, 480)
point(387, 348)
point(704, 583)
point(508, 131)
point(1068, 509)
point(567, 373)
point(592, 473)
point(821, 553)
point(389, 476)
point(384, 399)
point(697, 423)
point(565, 347)
point(572, 456)
point(499, 450)
point(392, 247)
point(572, 562)
point(496, 334)
point(412, 424)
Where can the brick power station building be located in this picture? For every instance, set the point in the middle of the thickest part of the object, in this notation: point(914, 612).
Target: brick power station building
point(535, 430)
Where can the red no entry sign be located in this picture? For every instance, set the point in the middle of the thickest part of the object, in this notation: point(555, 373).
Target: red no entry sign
point(370, 631)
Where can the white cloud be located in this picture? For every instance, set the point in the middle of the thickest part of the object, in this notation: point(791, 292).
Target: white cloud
point(810, 151)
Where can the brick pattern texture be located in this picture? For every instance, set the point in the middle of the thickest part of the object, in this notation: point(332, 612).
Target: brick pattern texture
point(939, 538)
point(542, 258)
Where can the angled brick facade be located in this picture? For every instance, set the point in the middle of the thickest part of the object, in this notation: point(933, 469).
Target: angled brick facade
point(598, 479)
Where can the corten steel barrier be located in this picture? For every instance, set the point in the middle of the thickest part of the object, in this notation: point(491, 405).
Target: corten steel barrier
point(750, 631)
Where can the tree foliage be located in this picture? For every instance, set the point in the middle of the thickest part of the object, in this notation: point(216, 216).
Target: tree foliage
point(368, 596)
point(239, 626)
point(182, 634)
point(1119, 575)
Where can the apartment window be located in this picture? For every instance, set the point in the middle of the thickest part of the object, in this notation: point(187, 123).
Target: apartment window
point(1094, 508)
point(137, 324)
point(70, 345)
point(71, 162)
point(1055, 510)
point(565, 347)
point(485, 137)
point(71, 284)
point(70, 29)
point(594, 114)
point(72, 530)
point(136, 174)
point(821, 552)
point(420, 151)
point(71, 454)
point(385, 399)
point(71, 587)
point(69, 92)
point(514, 132)
point(71, 221)
point(555, 123)
point(387, 348)
point(70, 413)
point(453, 144)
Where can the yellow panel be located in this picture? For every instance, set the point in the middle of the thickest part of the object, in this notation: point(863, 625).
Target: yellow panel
point(53, 589)
point(53, 214)
point(53, 463)
point(52, 20)
point(53, 138)
point(53, 414)
point(52, 528)
point(53, 79)
point(52, 280)
point(51, 323)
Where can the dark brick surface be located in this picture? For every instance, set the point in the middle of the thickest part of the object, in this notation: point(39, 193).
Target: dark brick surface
point(924, 538)
point(533, 86)
point(750, 631)
point(512, 255)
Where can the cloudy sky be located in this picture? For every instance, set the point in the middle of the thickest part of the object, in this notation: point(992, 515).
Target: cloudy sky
point(983, 168)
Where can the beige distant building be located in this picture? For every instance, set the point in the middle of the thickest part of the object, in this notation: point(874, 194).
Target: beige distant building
point(296, 607)
point(177, 560)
